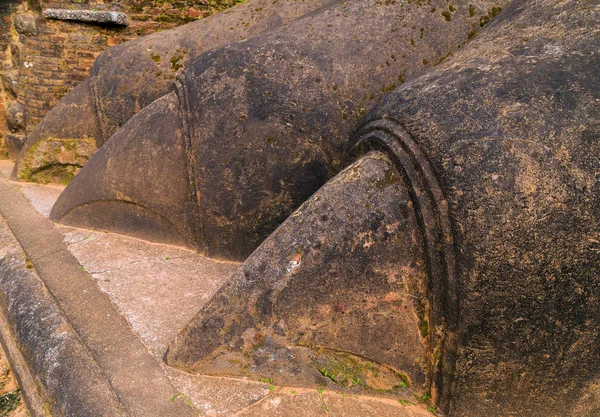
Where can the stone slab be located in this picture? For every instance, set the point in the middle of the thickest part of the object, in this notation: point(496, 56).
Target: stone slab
point(61, 364)
point(136, 377)
point(156, 288)
point(88, 16)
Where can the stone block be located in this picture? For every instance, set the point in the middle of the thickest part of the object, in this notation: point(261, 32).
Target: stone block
point(10, 82)
point(16, 49)
point(14, 143)
point(26, 24)
point(88, 16)
point(14, 116)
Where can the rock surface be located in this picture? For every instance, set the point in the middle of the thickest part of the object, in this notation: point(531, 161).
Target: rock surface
point(499, 155)
point(88, 16)
point(335, 297)
point(264, 123)
point(128, 77)
point(14, 144)
point(14, 116)
point(10, 83)
point(510, 127)
point(26, 24)
point(152, 286)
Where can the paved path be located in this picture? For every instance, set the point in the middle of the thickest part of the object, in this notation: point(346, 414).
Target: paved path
point(115, 302)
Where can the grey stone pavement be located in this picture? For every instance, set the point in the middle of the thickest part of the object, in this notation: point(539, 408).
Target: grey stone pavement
point(157, 289)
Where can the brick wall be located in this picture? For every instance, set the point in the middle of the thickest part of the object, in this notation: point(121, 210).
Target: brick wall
point(50, 57)
point(7, 36)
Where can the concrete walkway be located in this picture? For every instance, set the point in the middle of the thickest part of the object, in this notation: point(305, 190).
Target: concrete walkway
point(88, 315)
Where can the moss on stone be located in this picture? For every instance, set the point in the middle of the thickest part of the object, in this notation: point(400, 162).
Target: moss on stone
point(493, 12)
point(350, 371)
point(155, 58)
point(424, 327)
point(472, 10)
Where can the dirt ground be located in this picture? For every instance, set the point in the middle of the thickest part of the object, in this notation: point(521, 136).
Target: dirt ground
point(11, 404)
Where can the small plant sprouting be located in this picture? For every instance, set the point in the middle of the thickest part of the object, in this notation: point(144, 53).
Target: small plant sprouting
point(425, 397)
point(167, 258)
point(293, 392)
point(432, 410)
point(185, 399)
point(271, 387)
point(404, 402)
point(9, 401)
point(320, 391)
point(266, 380)
point(328, 374)
point(356, 380)
point(344, 394)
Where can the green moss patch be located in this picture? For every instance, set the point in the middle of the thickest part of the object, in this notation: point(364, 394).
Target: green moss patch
point(350, 371)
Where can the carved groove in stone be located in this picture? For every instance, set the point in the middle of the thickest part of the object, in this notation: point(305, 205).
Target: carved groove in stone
point(187, 123)
point(433, 217)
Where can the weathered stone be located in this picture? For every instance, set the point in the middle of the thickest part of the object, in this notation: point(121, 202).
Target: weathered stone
point(59, 155)
point(65, 370)
point(123, 213)
point(14, 144)
point(16, 49)
point(336, 296)
point(26, 24)
point(10, 82)
point(265, 120)
point(34, 5)
point(128, 77)
point(14, 116)
point(496, 154)
point(88, 16)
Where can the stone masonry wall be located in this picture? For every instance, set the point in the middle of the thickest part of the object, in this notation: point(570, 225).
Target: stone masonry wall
point(6, 65)
point(42, 59)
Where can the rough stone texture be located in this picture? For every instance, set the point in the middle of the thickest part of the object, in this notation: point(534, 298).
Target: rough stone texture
point(16, 50)
point(61, 363)
point(334, 297)
point(128, 77)
point(26, 24)
point(158, 288)
point(498, 148)
point(135, 376)
point(14, 116)
point(156, 296)
point(161, 130)
point(88, 16)
point(510, 125)
point(51, 63)
point(60, 154)
point(312, 404)
point(41, 197)
point(7, 60)
point(264, 123)
point(31, 400)
point(14, 144)
point(219, 396)
point(10, 83)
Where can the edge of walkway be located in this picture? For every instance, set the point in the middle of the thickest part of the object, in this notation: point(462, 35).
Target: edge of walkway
point(80, 350)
